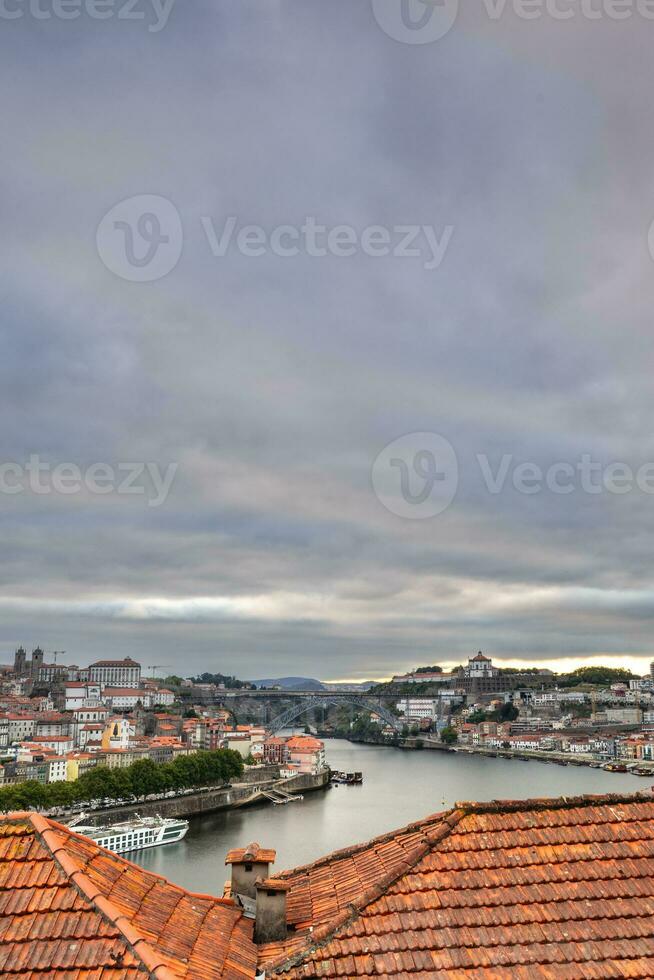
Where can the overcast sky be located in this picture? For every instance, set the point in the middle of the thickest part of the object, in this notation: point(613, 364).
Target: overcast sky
point(268, 385)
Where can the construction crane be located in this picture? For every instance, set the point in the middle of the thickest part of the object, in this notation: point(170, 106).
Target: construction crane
point(56, 654)
point(154, 667)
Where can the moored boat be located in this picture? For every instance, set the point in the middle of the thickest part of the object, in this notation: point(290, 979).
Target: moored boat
point(133, 835)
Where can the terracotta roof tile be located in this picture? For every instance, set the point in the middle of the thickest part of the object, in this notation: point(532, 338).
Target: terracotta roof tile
point(253, 853)
point(555, 889)
point(71, 911)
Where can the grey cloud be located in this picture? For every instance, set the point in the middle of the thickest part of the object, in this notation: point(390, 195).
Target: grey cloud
point(274, 383)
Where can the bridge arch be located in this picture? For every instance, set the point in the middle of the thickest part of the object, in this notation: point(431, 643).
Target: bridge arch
point(306, 704)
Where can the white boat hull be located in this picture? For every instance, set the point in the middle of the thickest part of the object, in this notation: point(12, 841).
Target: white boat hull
point(136, 836)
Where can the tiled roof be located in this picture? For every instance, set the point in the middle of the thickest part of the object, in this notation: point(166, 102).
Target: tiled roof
point(69, 910)
point(521, 890)
point(253, 853)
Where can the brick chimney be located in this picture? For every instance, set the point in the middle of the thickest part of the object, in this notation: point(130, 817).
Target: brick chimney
point(270, 920)
point(248, 864)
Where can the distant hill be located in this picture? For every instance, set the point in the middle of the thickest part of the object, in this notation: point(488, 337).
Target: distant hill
point(362, 686)
point(291, 683)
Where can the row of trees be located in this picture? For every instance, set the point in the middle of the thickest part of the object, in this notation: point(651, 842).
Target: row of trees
point(233, 683)
point(140, 779)
point(604, 676)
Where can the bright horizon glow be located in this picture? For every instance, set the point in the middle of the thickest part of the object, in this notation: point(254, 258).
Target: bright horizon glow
point(638, 665)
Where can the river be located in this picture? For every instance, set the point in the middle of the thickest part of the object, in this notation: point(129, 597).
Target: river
point(399, 786)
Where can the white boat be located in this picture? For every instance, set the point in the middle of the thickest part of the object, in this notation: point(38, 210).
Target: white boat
point(133, 835)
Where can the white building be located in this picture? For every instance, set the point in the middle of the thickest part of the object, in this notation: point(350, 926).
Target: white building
point(163, 696)
point(424, 677)
point(21, 727)
point(57, 770)
point(126, 697)
point(61, 744)
point(80, 694)
point(116, 673)
point(418, 709)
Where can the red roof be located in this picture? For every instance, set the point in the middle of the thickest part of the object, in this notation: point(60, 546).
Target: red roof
point(304, 743)
point(254, 853)
point(526, 890)
point(127, 662)
point(70, 910)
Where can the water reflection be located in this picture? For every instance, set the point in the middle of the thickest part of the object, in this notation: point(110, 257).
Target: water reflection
point(398, 787)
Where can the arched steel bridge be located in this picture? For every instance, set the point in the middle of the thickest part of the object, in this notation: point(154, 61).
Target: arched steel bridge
point(317, 700)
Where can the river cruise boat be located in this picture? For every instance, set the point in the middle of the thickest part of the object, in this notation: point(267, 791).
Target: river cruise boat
point(133, 835)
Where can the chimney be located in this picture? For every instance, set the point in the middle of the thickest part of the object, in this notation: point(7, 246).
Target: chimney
point(248, 864)
point(270, 920)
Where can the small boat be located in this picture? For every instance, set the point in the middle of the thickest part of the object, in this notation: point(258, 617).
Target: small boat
point(133, 835)
point(347, 778)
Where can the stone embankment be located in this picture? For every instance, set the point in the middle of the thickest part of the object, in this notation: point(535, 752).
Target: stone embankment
point(523, 755)
point(247, 792)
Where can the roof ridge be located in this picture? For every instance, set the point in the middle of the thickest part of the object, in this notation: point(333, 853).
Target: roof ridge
point(58, 827)
point(144, 952)
point(344, 852)
point(553, 802)
point(323, 933)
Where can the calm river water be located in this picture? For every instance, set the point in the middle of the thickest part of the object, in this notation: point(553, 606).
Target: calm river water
point(398, 787)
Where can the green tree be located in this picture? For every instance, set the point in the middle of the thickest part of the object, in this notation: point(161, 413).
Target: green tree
point(602, 676)
point(477, 717)
point(449, 735)
point(508, 712)
point(145, 777)
point(97, 783)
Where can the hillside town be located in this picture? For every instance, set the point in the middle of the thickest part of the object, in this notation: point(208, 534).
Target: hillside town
point(480, 707)
point(59, 721)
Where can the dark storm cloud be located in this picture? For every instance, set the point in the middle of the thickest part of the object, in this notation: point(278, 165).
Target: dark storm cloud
point(275, 382)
